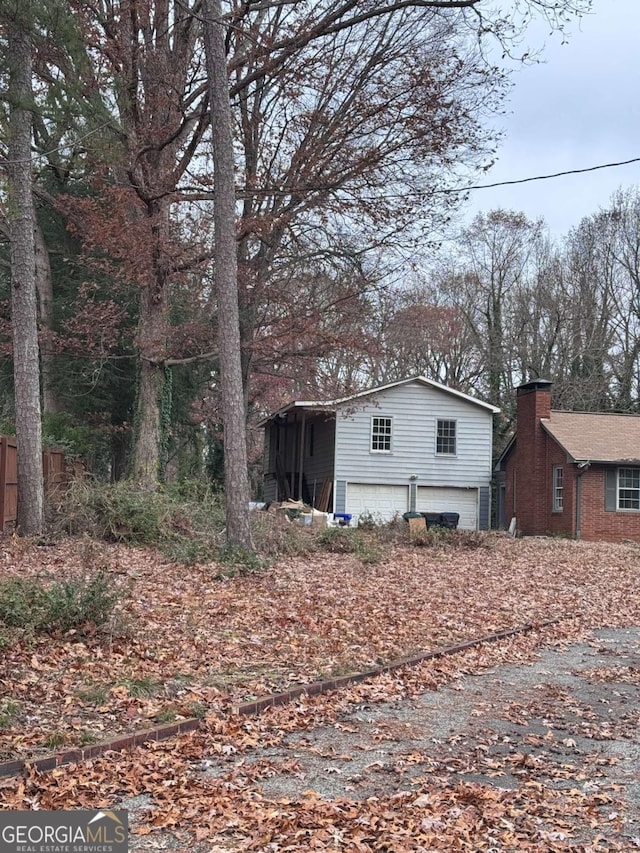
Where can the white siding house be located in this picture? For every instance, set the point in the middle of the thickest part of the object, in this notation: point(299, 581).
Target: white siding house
point(413, 444)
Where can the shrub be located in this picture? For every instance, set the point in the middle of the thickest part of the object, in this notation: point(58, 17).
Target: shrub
point(369, 520)
point(26, 604)
point(90, 444)
point(185, 521)
point(395, 532)
point(189, 552)
point(274, 536)
point(369, 551)
point(75, 604)
point(339, 540)
point(470, 539)
point(433, 536)
point(363, 543)
point(131, 515)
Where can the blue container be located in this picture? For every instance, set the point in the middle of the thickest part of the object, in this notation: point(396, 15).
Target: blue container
point(343, 518)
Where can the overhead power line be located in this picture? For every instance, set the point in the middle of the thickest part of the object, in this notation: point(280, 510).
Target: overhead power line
point(542, 177)
point(243, 192)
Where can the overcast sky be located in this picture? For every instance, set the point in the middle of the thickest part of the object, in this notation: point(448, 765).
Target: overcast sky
point(580, 108)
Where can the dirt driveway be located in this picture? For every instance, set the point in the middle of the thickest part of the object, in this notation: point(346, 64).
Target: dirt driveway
point(545, 753)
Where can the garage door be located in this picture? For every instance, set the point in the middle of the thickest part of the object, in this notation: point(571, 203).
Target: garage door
point(382, 502)
point(462, 501)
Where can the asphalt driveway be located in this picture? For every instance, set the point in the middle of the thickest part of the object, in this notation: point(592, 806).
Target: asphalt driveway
point(565, 724)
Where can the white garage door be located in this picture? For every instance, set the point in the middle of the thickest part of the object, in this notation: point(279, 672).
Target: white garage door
point(440, 499)
point(382, 502)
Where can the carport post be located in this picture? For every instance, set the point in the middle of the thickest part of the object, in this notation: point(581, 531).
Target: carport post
point(301, 453)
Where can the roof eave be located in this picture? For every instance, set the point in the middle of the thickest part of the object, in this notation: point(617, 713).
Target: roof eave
point(424, 381)
point(631, 462)
point(505, 452)
point(332, 405)
point(306, 406)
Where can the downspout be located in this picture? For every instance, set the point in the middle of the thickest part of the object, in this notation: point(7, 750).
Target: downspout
point(582, 467)
point(413, 493)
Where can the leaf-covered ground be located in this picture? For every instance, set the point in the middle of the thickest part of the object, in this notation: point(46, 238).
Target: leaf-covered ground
point(185, 643)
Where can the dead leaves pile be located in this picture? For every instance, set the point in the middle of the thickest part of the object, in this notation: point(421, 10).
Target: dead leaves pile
point(184, 642)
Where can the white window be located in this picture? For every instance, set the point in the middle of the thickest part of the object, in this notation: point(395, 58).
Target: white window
point(629, 488)
point(558, 488)
point(381, 435)
point(446, 438)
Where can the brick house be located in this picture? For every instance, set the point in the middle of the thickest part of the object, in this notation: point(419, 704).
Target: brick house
point(570, 473)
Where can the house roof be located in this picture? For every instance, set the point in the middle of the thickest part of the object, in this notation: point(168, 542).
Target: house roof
point(596, 436)
point(331, 405)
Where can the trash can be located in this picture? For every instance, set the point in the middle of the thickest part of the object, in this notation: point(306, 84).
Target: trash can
point(450, 520)
point(432, 518)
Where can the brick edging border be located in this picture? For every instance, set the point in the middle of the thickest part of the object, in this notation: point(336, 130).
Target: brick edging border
point(117, 744)
point(315, 688)
point(318, 687)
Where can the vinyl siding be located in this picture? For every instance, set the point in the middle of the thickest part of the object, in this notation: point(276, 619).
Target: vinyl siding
point(415, 410)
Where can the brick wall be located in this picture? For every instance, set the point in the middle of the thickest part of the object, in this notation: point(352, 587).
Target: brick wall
point(560, 523)
point(599, 524)
point(533, 507)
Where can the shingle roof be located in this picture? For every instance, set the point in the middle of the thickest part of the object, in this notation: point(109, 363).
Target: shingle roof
point(596, 437)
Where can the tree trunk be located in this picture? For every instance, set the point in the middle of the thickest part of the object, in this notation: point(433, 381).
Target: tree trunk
point(149, 444)
point(24, 307)
point(226, 282)
point(44, 287)
point(151, 342)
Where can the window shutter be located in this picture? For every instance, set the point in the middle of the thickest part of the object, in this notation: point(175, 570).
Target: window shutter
point(611, 489)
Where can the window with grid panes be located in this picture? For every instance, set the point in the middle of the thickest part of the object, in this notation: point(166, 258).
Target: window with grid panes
point(446, 438)
point(628, 488)
point(558, 488)
point(381, 435)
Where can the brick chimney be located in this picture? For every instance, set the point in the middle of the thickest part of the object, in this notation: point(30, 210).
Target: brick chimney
point(533, 403)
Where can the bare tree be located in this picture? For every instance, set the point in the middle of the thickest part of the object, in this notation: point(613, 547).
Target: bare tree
point(24, 310)
point(624, 227)
point(494, 266)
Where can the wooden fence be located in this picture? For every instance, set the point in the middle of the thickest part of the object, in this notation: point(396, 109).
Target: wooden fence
point(54, 471)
